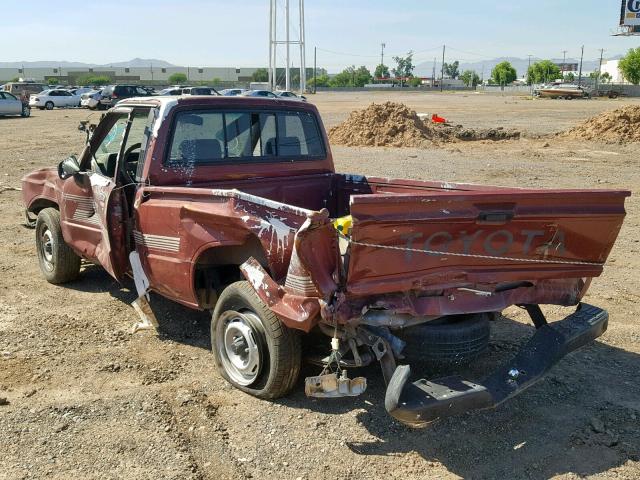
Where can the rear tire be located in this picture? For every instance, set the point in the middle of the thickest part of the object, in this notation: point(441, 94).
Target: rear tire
point(453, 340)
point(49, 105)
point(58, 262)
point(252, 348)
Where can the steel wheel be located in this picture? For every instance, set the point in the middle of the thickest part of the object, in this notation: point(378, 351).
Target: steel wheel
point(46, 248)
point(238, 345)
point(48, 105)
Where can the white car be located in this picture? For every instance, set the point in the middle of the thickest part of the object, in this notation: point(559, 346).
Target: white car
point(11, 105)
point(90, 99)
point(50, 99)
point(81, 91)
point(287, 95)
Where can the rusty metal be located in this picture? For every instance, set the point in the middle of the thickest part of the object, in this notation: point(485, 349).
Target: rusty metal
point(331, 385)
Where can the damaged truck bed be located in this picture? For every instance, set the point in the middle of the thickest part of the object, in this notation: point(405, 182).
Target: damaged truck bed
point(233, 205)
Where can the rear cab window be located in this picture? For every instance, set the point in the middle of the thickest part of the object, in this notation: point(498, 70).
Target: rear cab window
point(210, 137)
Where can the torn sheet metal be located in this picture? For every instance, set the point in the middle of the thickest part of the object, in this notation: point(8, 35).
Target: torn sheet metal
point(294, 311)
point(139, 277)
point(148, 319)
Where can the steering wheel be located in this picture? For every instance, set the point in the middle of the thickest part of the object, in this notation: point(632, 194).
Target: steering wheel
point(128, 152)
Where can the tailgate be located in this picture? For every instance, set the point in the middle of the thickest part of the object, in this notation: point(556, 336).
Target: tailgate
point(439, 239)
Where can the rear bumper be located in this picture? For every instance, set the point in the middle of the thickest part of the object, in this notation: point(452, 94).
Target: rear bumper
point(419, 403)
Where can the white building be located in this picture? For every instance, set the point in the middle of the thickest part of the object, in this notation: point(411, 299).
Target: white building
point(612, 67)
point(150, 74)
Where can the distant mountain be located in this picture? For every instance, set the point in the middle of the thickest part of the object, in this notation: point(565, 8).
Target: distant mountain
point(136, 62)
point(141, 62)
point(425, 69)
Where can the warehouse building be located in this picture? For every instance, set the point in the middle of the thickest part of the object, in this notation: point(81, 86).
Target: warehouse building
point(145, 75)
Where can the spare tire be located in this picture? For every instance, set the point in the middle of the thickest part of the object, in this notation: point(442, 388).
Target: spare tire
point(456, 339)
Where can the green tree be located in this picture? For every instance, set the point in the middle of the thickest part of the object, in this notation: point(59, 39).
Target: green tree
point(15, 79)
point(320, 81)
point(451, 70)
point(570, 77)
point(543, 72)
point(404, 67)
point(382, 71)
point(260, 75)
point(52, 81)
point(470, 78)
point(415, 81)
point(351, 77)
point(90, 79)
point(630, 65)
point(606, 77)
point(362, 76)
point(177, 78)
point(503, 73)
point(216, 82)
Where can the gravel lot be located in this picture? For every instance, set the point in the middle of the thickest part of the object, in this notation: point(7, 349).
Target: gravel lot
point(86, 399)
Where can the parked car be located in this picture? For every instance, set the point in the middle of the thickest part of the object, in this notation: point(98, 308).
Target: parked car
point(286, 95)
point(232, 92)
point(16, 88)
point(113, 94)
point(12, 105)
point(80, 90)
point(49, 99)
point(91, 99)
point(259, 93)
point(199, 91)
point(171, 91)
point(232, 205)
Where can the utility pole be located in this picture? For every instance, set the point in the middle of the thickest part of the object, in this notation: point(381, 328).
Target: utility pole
point(271, 45)
point(287, 73)
point(599, 70)
point(580, 73)
point(433, 77)
point(528, 82)
point(564, 62)
point(444, 47)
point(303, 55)
point(383, 45)
point(274, 75)
point(315, 69)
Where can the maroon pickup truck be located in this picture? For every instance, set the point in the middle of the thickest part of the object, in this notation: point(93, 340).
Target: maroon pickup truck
point(232, 204)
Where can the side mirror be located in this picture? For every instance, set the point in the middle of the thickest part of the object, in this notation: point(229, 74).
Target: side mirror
point(68, 167)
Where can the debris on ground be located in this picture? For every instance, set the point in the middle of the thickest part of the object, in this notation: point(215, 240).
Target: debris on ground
point(393, 124)
point(620, 125)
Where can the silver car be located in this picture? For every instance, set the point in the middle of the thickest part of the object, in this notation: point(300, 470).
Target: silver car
point(11, 105)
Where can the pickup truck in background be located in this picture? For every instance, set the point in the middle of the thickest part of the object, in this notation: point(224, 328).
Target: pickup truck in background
point(232, 204)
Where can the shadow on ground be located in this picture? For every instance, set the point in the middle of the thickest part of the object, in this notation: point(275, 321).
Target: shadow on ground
point(582, 418)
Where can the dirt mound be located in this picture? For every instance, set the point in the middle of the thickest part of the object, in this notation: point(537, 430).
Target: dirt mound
point(396, 125)
point(620, 125)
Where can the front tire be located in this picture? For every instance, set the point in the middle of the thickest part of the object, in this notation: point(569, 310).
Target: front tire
point(49, 105)
point(252, 348)
point(58, 262)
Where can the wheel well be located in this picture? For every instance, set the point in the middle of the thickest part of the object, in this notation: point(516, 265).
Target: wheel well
point(218, 267)
point(41, 204)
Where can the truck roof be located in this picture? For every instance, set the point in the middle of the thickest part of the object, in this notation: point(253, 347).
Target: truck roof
point(216, 101)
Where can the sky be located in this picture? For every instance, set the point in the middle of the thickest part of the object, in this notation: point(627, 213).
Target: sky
point(221, 33)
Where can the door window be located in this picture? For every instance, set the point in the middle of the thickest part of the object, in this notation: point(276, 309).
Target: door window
point(106, 154)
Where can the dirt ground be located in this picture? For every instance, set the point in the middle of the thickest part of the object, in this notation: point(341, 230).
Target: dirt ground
point(87, 399)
